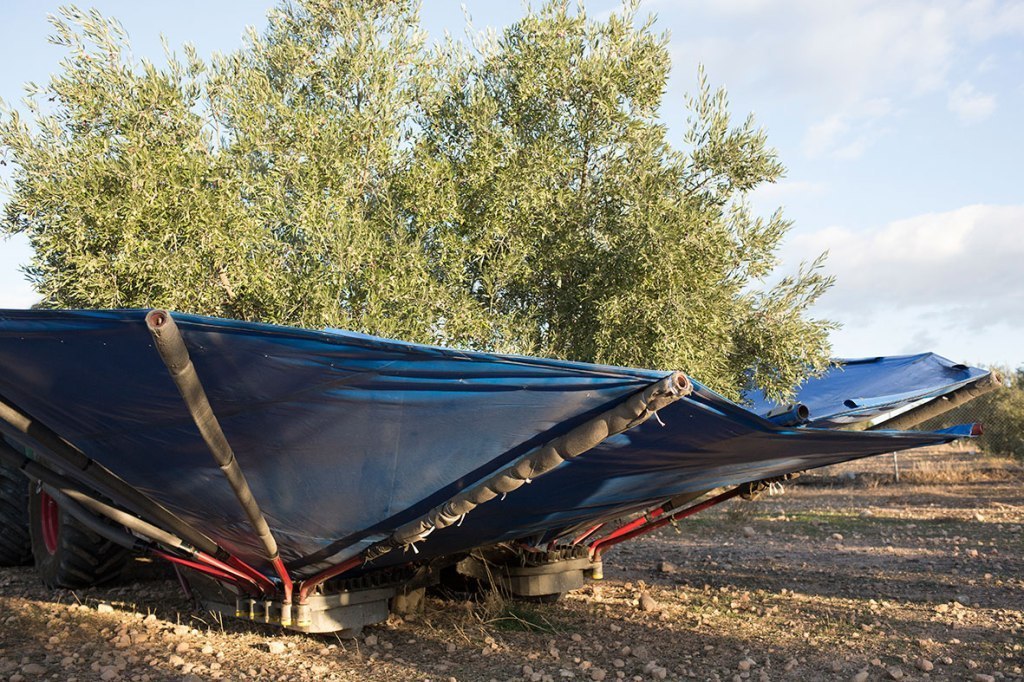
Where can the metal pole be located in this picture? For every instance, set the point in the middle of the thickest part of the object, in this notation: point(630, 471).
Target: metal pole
point(171, 347)
point(942, 404)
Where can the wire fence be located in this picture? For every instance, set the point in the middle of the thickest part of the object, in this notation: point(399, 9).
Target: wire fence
point(1001, 414)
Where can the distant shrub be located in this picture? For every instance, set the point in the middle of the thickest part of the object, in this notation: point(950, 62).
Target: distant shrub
point(1000, 412)
point(1005, 429)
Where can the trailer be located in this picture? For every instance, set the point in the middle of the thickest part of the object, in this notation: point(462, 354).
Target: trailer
point(317, 480)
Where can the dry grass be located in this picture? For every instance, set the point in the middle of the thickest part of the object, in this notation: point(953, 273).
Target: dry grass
point(954, 471)
point(926, 466)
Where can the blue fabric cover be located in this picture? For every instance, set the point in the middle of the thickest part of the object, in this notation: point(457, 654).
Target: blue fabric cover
point(343, 437)
point(852, 391)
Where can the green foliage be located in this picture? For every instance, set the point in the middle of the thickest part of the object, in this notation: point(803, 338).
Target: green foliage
point(1005, 427)
point(519, 194)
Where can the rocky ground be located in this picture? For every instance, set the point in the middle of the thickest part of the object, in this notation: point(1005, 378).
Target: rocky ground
point(846, 576)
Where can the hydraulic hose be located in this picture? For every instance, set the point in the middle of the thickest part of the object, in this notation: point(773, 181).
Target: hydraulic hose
point(171, 346)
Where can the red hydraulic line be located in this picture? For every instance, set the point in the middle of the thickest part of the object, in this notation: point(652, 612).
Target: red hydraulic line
point(599, 546)
point(286, 581)
point(263, 581)
point(202, 568)
point(307, 585)
point(286, 587)
point(240, 575)
point(584, 536)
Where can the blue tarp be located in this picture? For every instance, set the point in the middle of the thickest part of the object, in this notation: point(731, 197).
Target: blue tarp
point(852, 391)
point(344, 437)
point(705, 442)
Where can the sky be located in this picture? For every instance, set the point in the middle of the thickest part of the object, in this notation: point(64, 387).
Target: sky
point(899, 123)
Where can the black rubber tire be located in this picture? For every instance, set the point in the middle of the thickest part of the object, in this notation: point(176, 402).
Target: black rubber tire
point(81, 558)
point(15, 543)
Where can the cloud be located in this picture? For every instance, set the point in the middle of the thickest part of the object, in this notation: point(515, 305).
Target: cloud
point(15, 291)
point(823, 135)
point(842, 52)
point(961, 265)
point(831, 60)
point(847, 135)
point(897, 332)
point(771, 195)
point(987, 19)
point(18, 296)
point(948, 282)
point(922, 338)
point(969, 105)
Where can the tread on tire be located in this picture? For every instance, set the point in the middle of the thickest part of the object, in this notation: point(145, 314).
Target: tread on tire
point(80, 558)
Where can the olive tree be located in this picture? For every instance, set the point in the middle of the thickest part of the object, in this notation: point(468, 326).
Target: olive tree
point(519, 193)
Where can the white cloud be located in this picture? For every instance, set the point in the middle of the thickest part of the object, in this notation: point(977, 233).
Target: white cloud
point(846, 52)
point(989, 63)
point(15, 291)
point(949, 282)
point(962, 265)
point(896, 332)
point(847, 135)
point(832, 59)
point(823, 135)
point(770, 195)
point(25, 298)
point(987, 19)
point(969, 105)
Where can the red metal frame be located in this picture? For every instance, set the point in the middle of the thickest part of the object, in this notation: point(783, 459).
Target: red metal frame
point(234, 571)
point(598, 546)
point(640, 526)
point(646, 517)
point(590, 531)
point(183, 582)
point(247, 574)
point(241, 576)
point(307, 585)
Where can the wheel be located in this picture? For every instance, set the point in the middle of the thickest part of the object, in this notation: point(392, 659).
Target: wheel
point(15, 544)
point(66, 553)
point(454, 585)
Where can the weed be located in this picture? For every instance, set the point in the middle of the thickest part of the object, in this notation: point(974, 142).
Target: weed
point(517, 617)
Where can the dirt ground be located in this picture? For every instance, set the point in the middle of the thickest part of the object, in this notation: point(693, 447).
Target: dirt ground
point(846, 576)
